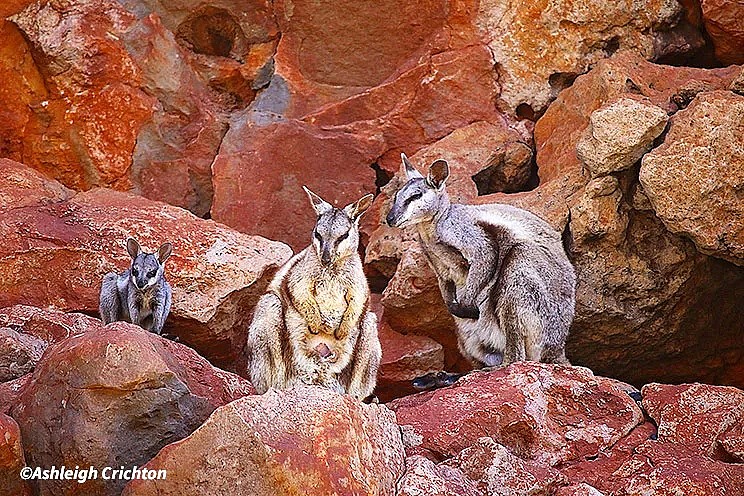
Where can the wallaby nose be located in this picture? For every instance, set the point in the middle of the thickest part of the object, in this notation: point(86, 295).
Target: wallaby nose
point(325, 257)
point(390, 219)
point(323, 350)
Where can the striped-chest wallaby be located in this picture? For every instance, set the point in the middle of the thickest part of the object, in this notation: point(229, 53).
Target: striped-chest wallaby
point(502, 271)
point(139, 295)
point(313, 325)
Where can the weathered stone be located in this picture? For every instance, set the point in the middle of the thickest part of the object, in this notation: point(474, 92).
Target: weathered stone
point(217, 274)
point(500, 473)
point(532, 409)
point(626, 74)
point(284, 442)
point(723, 24)
point(11, 459)
point(618, 135)
point(424, 478)
point(540, 47)
point(695, 178)
point(578, 490)
point(115, 396)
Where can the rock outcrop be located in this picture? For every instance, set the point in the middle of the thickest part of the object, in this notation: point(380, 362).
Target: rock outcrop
point(70, 241)
point(114, 396)
point(291, 442)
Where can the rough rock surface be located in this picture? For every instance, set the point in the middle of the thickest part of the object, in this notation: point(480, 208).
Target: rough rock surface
point(93, 62)
point(540, 47)
point(115, 396)
point(70, 242)
point(624, 75)
point(722, 20)
point(424, 478)
point(501, 473)
point(529, 408)
point(618, 135)
point(695, 179)
point(11, 459)
point(284, 443)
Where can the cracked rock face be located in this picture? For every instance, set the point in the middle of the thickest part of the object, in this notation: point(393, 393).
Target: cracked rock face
point(114, 396)
point(695, 179)
point(70, 241)
point(306, 440)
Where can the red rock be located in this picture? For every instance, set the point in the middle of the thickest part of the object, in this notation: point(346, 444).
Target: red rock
point(532, 409)
point(722, 19)
point(500, 473)
point(11, 459)
point(404, 358)
point(11, 391)
point(578, 490)
point(284, 442)
point(694, 179)
point(423, 478)
point(625, 74)
point(114, 396)
point(262, 166)
point(695, 416)
point(217, 274)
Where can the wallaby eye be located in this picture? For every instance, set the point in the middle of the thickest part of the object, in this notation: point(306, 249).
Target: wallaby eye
point(317, 236)
point(151, 274)
point(413, 197)
point(135, 272)
point(343, 236)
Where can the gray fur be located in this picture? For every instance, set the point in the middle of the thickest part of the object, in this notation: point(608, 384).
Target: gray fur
point(502, 271)
point(139, 295)
point(313, 325)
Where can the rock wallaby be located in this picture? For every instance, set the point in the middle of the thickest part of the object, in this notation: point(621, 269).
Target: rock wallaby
point(139, 295)
point(313, 325)
point(502, 271)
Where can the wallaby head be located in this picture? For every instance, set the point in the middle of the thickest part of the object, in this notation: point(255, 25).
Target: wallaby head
point(336, 232)
point(420, 198)
point(147, 268)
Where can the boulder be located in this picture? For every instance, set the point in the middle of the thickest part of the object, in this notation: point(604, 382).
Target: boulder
point(499, 473)
point(92, 63)
point(112, 396)
point(540, 47)
point(705, 420)
point(284, 442)
point(217, 274)
point(722, 19)
point(424, 478)
point(404, 358)
point(695, 178)
point(531, 409)
point(618, 135)
point(11, 459)
point(10, 392)
point(578, 490)
point(626, 74)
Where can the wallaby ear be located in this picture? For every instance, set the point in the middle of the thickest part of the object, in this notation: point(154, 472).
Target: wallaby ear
point(133, 247)
point(438, 174)
point(356, 209)
point(319, 204)
point(411, 171)
point(164, 252)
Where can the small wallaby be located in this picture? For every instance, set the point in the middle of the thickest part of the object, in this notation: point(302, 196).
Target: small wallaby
point(313, 325)
point(502, 271)
point(139, 295)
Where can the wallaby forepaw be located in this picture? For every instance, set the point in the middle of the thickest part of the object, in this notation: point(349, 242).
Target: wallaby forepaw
point(464, 312)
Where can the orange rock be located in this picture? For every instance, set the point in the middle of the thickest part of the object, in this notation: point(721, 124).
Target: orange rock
point(70, 242)
point(115, 396)
point(722, 19)
point(11, 459)
point(305, 440)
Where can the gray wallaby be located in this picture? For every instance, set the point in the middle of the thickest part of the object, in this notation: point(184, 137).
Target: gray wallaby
point(313, 325)
point(502, 271)
point(139, 295)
